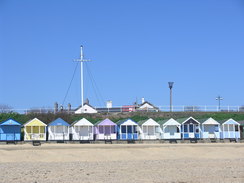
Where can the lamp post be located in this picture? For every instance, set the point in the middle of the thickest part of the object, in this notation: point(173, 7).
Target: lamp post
point(219, 99)
point(170, 87)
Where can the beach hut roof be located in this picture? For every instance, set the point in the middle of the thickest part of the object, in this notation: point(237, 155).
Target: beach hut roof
point(126, 122)
point(183, 120)
point(10, 122)
point(106, 122)
point(209, 121)
point(34, 122)
point(82, 122)
point(230, 122)
point(169, 122)
point(59, 122)
point(148, 122)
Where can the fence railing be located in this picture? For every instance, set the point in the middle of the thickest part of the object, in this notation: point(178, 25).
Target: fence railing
point(176, 108)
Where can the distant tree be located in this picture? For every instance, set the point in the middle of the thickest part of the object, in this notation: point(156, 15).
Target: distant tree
point(4, 108)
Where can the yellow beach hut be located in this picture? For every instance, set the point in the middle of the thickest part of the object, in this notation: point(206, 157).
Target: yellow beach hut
point(34, 129)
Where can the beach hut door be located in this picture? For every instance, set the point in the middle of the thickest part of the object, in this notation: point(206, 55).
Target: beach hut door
point(191, 131)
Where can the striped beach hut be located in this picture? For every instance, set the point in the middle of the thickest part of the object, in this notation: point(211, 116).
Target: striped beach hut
point(127, 129)
point(211, 128)
point(149, 129)
point(190, 128)
point(10, 130)
point(230, 129)
point(58, 130)
point(82, 130)
point(105, 130)
point(34, 129)
point(171, 129)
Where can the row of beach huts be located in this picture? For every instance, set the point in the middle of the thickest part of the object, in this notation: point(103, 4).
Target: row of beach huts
point(60, 130)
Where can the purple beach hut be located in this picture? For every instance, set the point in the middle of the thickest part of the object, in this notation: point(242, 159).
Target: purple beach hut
point(105, 130)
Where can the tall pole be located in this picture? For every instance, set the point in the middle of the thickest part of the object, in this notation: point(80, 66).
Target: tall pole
point(81, 60)
point(170, 87)
point(219, 98)
point(81, 76)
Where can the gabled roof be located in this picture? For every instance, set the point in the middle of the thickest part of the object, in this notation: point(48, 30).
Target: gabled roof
point(146, 102)
point(230, 122)
point(169, 122)
point(106, 122)
point(10, 122)
point(82, 122)
point(126, 122)
point(209, 121)
point(34, 122)
point(84, 105)
point(148, 122)
point(59, 122)
point(183, 120)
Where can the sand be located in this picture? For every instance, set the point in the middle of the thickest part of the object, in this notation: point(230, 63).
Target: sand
point(122, 163)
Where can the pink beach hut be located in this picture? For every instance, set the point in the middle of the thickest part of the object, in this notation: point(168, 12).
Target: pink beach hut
point(105, 130)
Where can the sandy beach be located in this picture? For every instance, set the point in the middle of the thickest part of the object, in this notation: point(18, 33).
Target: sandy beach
point(121, 163)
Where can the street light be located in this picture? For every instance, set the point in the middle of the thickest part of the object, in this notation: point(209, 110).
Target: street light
point(170, 87)
point(219, 99)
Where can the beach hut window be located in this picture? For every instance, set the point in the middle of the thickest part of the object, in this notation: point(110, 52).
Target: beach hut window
point(59, 129)
point(177, 130)
point(123, 129)
point(197, 129)
point(107, 130)
point(42, 129)
point(113, 130)
point(36, 129)
point(191, 128)
point(129, 129)
point(28, 129)
point(135, 129)
point(76, 129)
point(185, 128)
point(100, 129)
point(236, 128)
point(216, 128)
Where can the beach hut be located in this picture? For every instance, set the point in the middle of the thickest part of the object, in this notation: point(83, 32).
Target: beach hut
point(82, 130)
point(34, 129)
point(58, 130)
point(171, 129)
point(149, 129)
point(105, 130)
point(190, 128)
point(230, 129)
point(241, 128)
point(210, 128)
point(10, 130)
point(127, 130)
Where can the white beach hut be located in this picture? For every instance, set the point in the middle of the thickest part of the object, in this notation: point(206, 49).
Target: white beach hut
point(171, 129)
point(82, 130)
point(210, 129)
point(149, 129)
point(230, 129)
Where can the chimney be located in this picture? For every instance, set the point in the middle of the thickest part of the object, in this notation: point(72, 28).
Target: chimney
point(109, 104)
point(55, 107)
point(87, 101)
point(142, 100)
point(69, 107)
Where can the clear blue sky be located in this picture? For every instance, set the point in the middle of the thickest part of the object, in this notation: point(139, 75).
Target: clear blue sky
point(136, 47)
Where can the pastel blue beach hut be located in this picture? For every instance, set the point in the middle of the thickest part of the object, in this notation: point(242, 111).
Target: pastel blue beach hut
point(211, 128)
point(190, 128)
point(230, 129)
point(58, 130)
point(127, 130)
point(171, 129)
point(10, 130)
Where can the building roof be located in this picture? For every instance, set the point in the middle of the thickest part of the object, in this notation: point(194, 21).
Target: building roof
point(106, 122)
point(10, 122)
point(148, 122)
point(82, 122)
point(209, 121)
point(59, 122)
point(169, 122)
point(126, 122)
point(146, 102)
point(230, 122)
point(34, 122)
point(183, 120)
